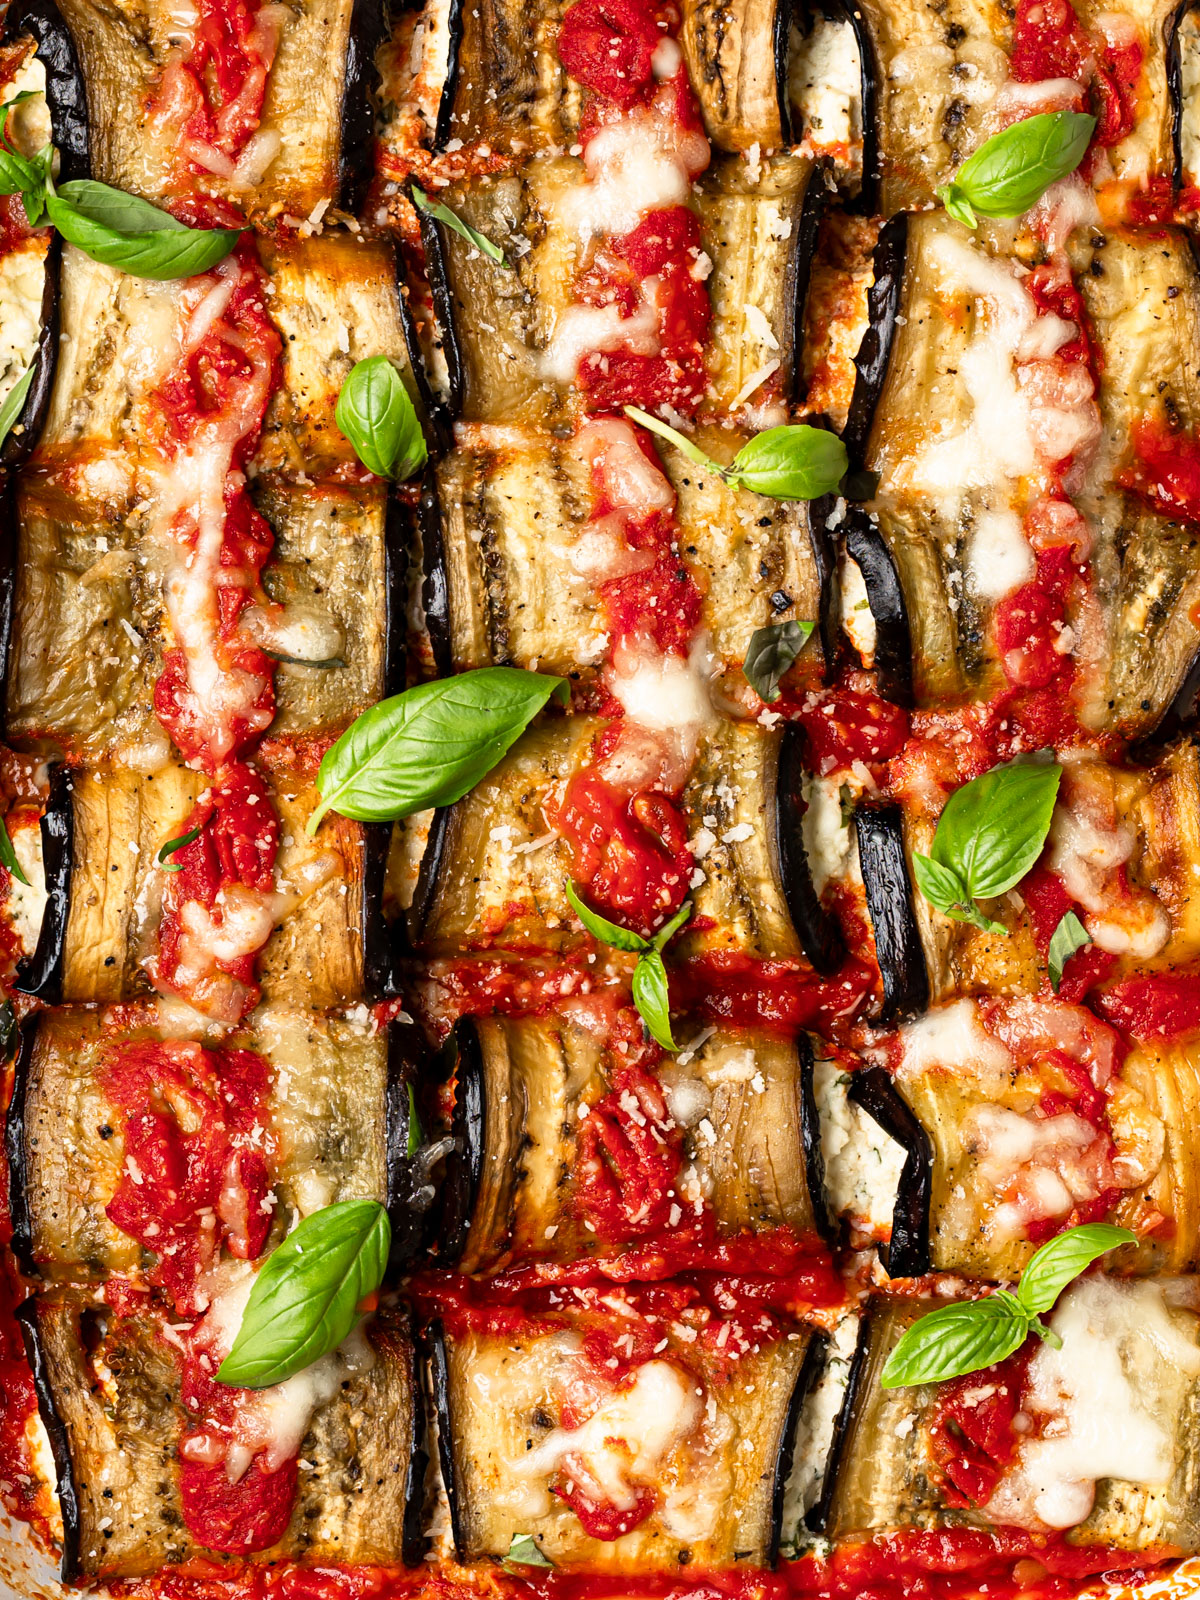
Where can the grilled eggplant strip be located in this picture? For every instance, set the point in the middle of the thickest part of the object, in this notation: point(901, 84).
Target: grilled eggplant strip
point(736, 53)
point(907, 1252)
point(325, 1114)
point(40, 974)
point(539, 1074)
point(879, 832)
point(60, 1449)
point(730, 1488)
point(505, 85)
point(316, 105)
point(66, 95)
point(892, 662)
point(123, 1446)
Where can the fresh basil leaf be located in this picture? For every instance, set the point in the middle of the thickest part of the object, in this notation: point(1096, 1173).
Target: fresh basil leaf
point(156, 247)
point(173, 845)
point(1069, 936)
point(305, 1298)
point(376, 415)
point(1061, 1259)
point(610, 933)
point(524, 1551)
point(943, 888)
point(8, 856)
point(1011, 171)
point(770, 653)
point(693, 452)
point(993, 828)
point(18, 174)
point(429, 745)
point(464, 230)
point(669, 929)
point(956, 1339)
point(794, 462)
point(14, 403)
point(416, 1133)
point(651, 998)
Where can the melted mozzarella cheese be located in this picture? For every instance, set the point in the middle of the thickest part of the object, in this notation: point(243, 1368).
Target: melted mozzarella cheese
point(665, 693)
point(999, 556)
point(825, 82)
point(22, 280)
point(952, 1037)
point(858, 620)
point(631, 480)
point(828, 841)
point(26, 902)
point(641, 163)
point(1087, 846)
point(862, 1163)
point(580, 330)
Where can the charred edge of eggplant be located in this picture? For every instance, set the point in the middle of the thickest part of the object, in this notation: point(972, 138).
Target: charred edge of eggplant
point(810, 1370)
point(24, 435)
point(356, 155)
point(817, 928)
point(865, 545)
point(1174, 69)
point(60, 1448)
point(40, 974)
point(468, 1129)
point(907, 1256)
point(799, 264)
point(817, 1519)
point(810, 1140)
point(901, 955)
point(1178, 720)
point(16, 1152)
point(66, 94)
point(781, 30)
point(435, 581)
point(866, 200)
point(413, 1542)
point(433, 864)
point(824, 554)
point(439, 1379)
point(396, 526)
point(884, 299)
point(438, 274)
point(410, 1192)
point(378, 973)
point(436, 424)
point(445, 115)
point(9, 546)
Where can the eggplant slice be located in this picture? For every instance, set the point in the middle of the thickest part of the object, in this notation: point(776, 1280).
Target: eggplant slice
point(737, 1097)
point(123, 1436)
point(41, 22)
point(737, 59)
point(504, 84)
point(325, 1114)
point(879, 831)
point(503, 1452)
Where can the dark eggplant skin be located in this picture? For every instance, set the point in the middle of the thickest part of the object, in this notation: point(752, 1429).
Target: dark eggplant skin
point(817, 1519)
point(1179, 719)
point(433, 862)
point(438, 273)
point(438, 1370)
point(907, 1255)
point(884, 299)
point(866, 200)
point(445, 116)
point(880, 834)
point(410, 1194)
point(21, 1242)
point(19, 443)
point(64, 1469)
point(817, 928)
point(810, 1138)
point(66, 95)
point(413, 1543)
point(435, 582)
point(379, 977)
point(356, 156)
point(814, 1363)
point(10, 537)
point(468, 1129)
point(823, 544)
point(1175, 89)
point(40, 975)
point(893, 638)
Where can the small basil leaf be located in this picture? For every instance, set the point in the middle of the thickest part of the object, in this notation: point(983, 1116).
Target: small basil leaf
point(172, 845)
point(17, 174)
point(651, 998)
point(8, 856)
point(956, 1339)
point(429, 745)
point(770, 653)
point(1061, 1259)
point(993, 828)
point(610, 933)
point(524, 1551)
point(1011, 171)
point(794, 462)
point(1069, 936)
point(669, 929)
point(693, 452)
point(416, 1133)
point(305, 1298)
point(957, 205)
point(376, 415)
point(14, 402)
point(943, 888)
point(159, 248)
point(464, 230)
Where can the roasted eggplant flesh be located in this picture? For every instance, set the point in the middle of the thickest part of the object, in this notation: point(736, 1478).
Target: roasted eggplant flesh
point(715, 1455)
point(892, 1473)
point(124, 1430)
point(736, 1101)
point(324, 1114)
point(504, 84)
point(736, 55)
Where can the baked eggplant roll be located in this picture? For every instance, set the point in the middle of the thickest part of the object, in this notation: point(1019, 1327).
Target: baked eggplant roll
point(656, 1462)
point(292, 1113)
point(290, 135)
point(1092, 1442)
point(737, 60)
point(161, 1464)
point(575, 1150)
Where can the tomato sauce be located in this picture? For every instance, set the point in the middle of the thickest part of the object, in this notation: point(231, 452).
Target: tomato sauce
point(1161, 1007)
point(1047, 903)
point(211, 95)
point(629, 1154)
point(1049, 41)
point(780, 995)
point(1165, 469)
point(971, 1432)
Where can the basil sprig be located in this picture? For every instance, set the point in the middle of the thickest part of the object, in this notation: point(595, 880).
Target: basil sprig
point(1011, 171)
point(795, 462)
point(14, 400)
point(429, 745)
point(990, 834)
point(973, 1334)
point(770, 653)
point(443, 213)
point(173, 845)
point(524, 1551)
point(649, 982)
point(1069, 936)
point(376, 415)
point(8, 856)
point(306, 1297)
